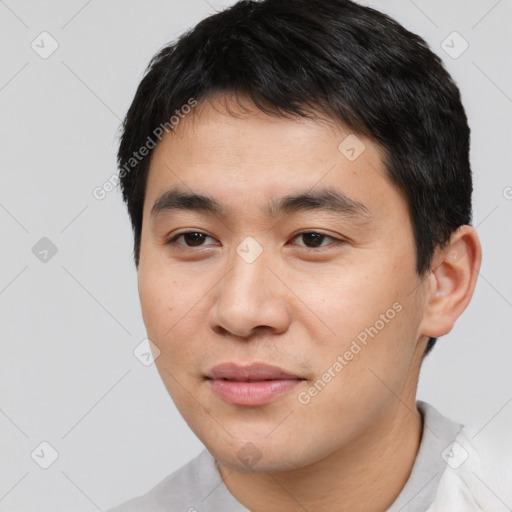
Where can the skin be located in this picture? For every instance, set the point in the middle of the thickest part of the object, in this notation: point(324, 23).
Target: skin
point(295, 306)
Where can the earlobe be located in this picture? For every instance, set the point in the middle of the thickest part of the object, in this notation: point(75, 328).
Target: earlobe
point(452, 282)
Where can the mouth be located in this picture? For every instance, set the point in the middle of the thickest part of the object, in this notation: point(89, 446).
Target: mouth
point(253, 372)
point(254, 385)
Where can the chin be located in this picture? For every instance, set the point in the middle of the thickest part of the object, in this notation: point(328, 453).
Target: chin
point(258, 454)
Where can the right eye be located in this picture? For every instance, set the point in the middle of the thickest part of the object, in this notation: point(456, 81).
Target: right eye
point(190, 239)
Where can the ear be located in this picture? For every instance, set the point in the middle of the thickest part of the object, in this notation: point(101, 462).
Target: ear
point(451, 282)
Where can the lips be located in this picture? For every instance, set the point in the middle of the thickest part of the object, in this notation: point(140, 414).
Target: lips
point(253, 372)
point(253, 385)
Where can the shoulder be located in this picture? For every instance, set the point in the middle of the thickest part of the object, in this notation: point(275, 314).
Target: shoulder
point(478, 473)
point(182, 490)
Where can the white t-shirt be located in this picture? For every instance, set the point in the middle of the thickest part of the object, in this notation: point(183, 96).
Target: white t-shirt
point(456, 470)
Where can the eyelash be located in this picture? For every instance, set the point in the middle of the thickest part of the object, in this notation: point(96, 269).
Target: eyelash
point(173, 240)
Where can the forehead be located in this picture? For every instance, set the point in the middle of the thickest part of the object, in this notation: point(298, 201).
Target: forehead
point(244, 157)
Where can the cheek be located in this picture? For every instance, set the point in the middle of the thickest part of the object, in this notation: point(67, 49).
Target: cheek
point(369, 319)
point(160, 298)
point(164, 287)
point(341, 303)
point(153, 300)
point(357, 380)
point(171, 306)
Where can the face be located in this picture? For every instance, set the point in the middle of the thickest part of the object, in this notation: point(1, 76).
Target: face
point(293, 250)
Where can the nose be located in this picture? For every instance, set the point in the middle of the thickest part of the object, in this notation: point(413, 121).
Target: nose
point(250, 298)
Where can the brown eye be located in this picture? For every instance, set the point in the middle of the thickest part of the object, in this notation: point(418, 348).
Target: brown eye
point(190, 238)
point(193, 239)
point(313, 239)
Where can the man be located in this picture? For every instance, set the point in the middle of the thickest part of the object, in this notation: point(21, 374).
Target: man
point(297, 176)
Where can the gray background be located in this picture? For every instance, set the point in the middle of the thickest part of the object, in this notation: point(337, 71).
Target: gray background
point(68, 375)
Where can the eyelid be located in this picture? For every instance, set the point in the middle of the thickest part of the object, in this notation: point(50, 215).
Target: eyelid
point(172, 239)
point(336, 240)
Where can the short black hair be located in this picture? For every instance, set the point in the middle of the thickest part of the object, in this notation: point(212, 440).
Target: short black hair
point(353, 64)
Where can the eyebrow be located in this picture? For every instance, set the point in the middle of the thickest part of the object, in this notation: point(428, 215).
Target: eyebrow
point(325, 199)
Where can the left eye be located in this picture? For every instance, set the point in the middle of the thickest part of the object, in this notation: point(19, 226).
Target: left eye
point(313, 239)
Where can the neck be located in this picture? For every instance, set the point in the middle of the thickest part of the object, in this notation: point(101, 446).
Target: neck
point(366, 475)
